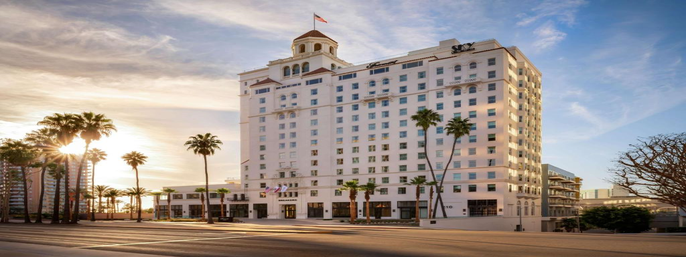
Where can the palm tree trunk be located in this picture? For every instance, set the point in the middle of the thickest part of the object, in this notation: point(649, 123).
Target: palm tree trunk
point(428, 161)
point(56, 203)
point(39, 219)
point(353, 210)
point(77, 197)
point(131, 209)
point(93, 192)
point(99, 202)
point(27, 218)
point(439, 197)
point(169, 206)
point(138, 197)
point(66, 211)
point(366, 198)
point(202, 207)
point(223, 214)
point(431, 199)
point(416, 207)
point(207, 192)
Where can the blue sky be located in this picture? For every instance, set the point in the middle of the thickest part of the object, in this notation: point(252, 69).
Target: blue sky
point(164, 70)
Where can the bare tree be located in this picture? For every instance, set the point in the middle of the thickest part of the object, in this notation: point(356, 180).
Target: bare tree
point(655, 167)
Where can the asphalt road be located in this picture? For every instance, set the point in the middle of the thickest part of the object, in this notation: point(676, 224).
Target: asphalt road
point(341, 241)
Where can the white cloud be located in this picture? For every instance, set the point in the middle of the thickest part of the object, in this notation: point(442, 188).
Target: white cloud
point(563, 11)
point(547, 36)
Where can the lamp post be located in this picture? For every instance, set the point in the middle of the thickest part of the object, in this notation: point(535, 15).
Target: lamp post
point(519, 211)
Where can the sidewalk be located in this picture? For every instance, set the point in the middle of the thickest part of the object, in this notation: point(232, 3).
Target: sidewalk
point(34, 250)
point(232, 227)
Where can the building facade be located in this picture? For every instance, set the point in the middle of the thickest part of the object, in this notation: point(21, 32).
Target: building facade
point(185, 202)
point(603, 193)
point(312, 121)
point(560, 199)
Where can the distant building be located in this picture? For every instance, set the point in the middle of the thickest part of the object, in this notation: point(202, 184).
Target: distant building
point(186, 203)
point(560, 196)
point(603, 193)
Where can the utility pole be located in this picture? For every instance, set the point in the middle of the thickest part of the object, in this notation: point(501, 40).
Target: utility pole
point(578, 223)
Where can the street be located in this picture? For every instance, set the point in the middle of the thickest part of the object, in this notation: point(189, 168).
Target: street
point(254, 240)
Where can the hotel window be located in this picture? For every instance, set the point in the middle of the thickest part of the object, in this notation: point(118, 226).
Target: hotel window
point(472, 188)
point(402, 168)
point(421, 74)
point(472, 163)
point(421, 86)
point(339, 99)
point(491, 124)
point(439, 106)
point(472, 90)
point(402, 145)
point(314, 122)
point(263, 138)
point(458, 68)
point(263, 147)
point(420, 98)
point(371, 126)
point(403, 100)
point(421, 167)
point(347, 76)
point(263, 119)
point(491, 162)
point(355, 107)
point(263, 100)
point(403, 112)
point(472, 151)
point(457, 164)
point(439, 94)
point(355, 86)
point(472, 65)
point(371, 170)
point(385, 103)
point(473, 126)
point(313, 112)
point(491, 112)
point(491, 74)
point(403, 156)
point(457, 189)
point(491, 187)
point(491, 137)
point(472, 76)
point(385, 136)
point(521, 72)
point(384, 191)
point(292, 125)
point(385, 114)
point(403, 89)
point(472, 114)
point(314, 193)
point(439, 82)
point(490, 150)
point(371, 137)
point(313, 102)
point(356, 97)
point(491, 87)
point(457, 92)
point(439, 130)
point(421, 155)
point(313, 81)
point(472, 139)
point(263, 166)
point(385, 125)
point(355, 171)
point(491, 175)
point(403, 134)
point(378, 71)
point(402, 190)
point(491, 99)
point(403, 78)
point(472, 102)
point(457, 176)
point(491, 61)
point(385, 81)
point(263, 109)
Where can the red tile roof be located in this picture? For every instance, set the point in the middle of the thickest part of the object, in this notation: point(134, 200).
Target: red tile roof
point(317, 71)
point(313, 33)
point(268, 80)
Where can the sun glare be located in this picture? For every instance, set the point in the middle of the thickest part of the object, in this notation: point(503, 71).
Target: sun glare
point(75, 147)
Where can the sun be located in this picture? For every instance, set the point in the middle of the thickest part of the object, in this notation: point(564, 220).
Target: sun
point(76, 147)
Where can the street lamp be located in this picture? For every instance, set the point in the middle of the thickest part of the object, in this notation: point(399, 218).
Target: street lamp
point(519, 211)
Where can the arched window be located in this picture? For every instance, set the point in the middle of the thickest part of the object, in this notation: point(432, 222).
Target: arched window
point(458, 67)
point(519, 208)
point(306, 67)
point(302, 48)
point(331, 49)
point(296, 69)
point(457, 92)
point(372, 83)
point(291, 115)
point(533, 209)
point(294, 96)
point(472, 90)
point(317, 46)
point(385, 81)
point(472, 65)
point(286, 71)
point(526, 208)
point(282, 116)
point(333, 66)
point(283, 97)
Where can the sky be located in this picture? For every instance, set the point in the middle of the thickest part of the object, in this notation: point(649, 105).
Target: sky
point(166, 70)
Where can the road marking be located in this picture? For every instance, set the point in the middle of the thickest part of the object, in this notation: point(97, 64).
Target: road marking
point(176, 241)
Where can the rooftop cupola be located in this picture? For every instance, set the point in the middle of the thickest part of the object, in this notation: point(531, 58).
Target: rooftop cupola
point(313, 42)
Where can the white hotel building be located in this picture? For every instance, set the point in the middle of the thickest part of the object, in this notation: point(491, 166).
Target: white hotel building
point(313, 121)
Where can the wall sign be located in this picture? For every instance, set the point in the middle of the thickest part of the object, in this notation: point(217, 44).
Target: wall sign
point(463, 48)
point(377, 64)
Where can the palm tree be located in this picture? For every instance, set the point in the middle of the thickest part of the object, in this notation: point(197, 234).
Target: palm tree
point(426, 118)
point(88, 197)
point(134, 159)
point(353, 187)
point(458, 128)
point(205, 145)
point(57, 172)
point(222, 193)
point(95, 155)
point(94, 126)
point(100, 191)
point(131, 192)
point(156, 196)
point(418, 181)
point(49, 151)
point(202, 190)
point(431, 194)
point(368, 189)
point(112, 195)
point(64, 127)
point(169, 191)
point(22, 154)
point(138, 193)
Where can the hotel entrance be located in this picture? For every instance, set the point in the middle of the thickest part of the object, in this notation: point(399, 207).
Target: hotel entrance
point(289, 211)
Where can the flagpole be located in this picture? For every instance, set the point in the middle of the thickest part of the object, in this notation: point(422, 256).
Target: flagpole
point(314, 24)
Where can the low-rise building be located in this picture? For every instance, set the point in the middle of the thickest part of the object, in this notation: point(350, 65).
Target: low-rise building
point(561, 195)
point(186, 203)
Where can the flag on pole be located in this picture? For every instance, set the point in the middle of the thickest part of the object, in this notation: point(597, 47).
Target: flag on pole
point(316, 17)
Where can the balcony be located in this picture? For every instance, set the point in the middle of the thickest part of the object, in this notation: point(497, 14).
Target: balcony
point(287, 108)
point(462, 82)
point(558, 187)
point(287, 168)
point(378, 96)
point(556, 177)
